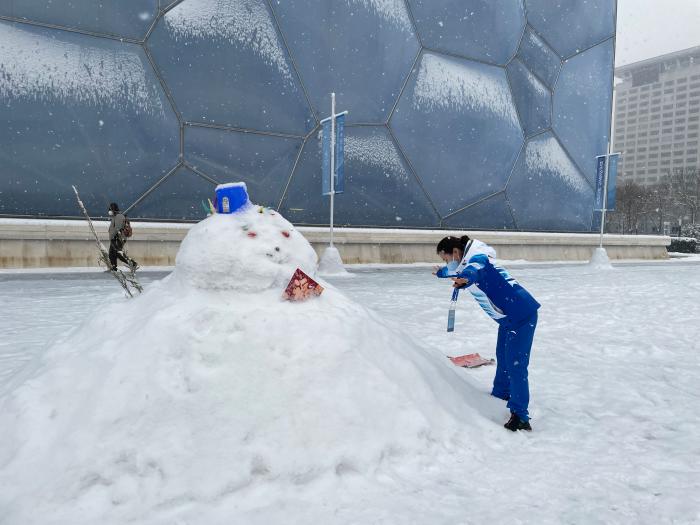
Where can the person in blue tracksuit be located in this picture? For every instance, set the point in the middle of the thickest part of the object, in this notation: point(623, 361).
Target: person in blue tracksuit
point(470, 265)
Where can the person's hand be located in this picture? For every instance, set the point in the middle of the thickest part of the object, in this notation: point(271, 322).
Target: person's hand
point(436, 269)
point(459, 282)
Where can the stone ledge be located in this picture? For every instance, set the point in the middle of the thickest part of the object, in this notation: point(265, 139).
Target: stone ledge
point(357, 235)
point(46, 243)
point(79, 230)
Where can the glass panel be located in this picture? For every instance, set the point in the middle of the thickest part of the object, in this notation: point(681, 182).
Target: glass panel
point(225, 63)
point(490, 214)
point(547, 191)
point(263, 162)
point(533, 99)
point(182, 196)
point(360, 49)
point(582, 101)
point(78, 110)
point(480, 29)
point(539, 58)
point(571, 26)
point(457, 124)
point(379, 187)
point(127, 18)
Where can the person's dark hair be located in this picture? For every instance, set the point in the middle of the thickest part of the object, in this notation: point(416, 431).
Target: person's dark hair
point(449, 243)
point(113, 207)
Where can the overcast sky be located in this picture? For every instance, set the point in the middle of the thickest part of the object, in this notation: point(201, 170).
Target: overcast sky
point(648, 28)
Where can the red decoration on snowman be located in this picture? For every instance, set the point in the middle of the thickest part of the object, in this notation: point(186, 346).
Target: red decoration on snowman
point(301, 287)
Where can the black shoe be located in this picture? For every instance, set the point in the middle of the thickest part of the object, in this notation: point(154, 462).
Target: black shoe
point(515, 424)
point(133, 266)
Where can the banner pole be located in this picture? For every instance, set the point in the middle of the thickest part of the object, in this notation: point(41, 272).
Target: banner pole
point(332, 160)
point(605, 195)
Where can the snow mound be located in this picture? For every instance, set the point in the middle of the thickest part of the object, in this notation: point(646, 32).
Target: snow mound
point(599, 260)
point(209, 383)
point(331, 263)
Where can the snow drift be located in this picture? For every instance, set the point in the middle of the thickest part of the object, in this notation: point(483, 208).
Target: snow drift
point(210, 382)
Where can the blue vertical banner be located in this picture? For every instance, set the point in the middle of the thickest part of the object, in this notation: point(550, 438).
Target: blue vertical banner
point(339, 183)
point(612, 180)
point(339, 154)
point(599, 182)
point(326, 163)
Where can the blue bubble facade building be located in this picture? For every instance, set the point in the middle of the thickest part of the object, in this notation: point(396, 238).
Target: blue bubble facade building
point(463, 113)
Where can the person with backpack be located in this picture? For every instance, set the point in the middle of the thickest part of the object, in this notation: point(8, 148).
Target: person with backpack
point(119, 232)
point(470, 265)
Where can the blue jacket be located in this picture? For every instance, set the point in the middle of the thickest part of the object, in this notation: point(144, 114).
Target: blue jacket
point(498, 294)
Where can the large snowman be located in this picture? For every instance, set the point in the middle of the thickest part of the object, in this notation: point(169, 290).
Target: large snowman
point(211, 383)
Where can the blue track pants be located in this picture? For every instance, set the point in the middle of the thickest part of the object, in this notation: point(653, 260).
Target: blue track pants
point(512, 358)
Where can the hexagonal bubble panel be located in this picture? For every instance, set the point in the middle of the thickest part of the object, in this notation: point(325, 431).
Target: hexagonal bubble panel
point(360, 49)
point(263, 162)
point(490, 214)
point(456, 121)
point(571, 26)
point(125, 18)
point(479, 29)
point(547, 191)
point(78, 110)
point(533, 99)
point(181, 196)
point(225, 63)
point(581, 105)
point(539, 58)
point(379, 187)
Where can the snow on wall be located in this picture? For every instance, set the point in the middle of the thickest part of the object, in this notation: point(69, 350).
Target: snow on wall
point(443, 83)
point(537, 86)
point(36, 67)
point(240, 22)
point(376, 151)
point(534, 40)
point(393, 11)
point(547, 155)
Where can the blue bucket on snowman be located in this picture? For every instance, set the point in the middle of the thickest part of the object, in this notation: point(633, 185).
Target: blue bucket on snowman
point(231, 197)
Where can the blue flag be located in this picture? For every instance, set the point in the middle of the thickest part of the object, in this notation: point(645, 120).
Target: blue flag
point(326, 163)
point(339, 154)
point(339, 182)
point(612, 180)
point(599, 181)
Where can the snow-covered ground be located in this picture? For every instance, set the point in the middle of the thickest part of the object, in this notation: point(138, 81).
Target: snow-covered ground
point(614, 377)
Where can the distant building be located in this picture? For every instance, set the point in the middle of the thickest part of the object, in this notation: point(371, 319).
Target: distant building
point(657, 113)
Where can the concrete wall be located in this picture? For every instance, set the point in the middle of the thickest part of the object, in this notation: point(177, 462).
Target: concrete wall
point(41, 243)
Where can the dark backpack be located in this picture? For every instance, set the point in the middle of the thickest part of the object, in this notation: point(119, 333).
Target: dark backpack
point(126, 229)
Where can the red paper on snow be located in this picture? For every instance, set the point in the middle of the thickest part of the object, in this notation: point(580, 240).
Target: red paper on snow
point(301, 287)
point(471, 361)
